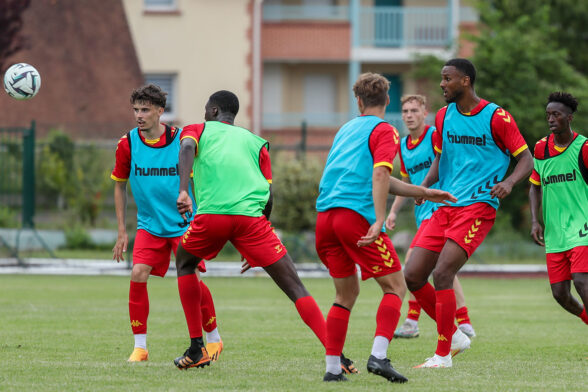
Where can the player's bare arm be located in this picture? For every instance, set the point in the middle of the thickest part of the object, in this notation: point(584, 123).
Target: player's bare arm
point(535, 198)
point(120, 205)
point(396, 206)
point(380, 186)
point(186, 160)
point(521, 171)
point(401, 188)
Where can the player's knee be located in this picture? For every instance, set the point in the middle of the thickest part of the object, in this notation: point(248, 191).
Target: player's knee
point(561, 295)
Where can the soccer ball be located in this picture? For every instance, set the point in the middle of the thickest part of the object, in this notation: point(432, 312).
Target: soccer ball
point(22, 81)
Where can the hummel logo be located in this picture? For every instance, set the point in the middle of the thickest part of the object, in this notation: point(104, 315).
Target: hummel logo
point(472, 231)
point(585, 229)
point(278, 248)
point(376, 269)
point(488, 187)
point(136, 323)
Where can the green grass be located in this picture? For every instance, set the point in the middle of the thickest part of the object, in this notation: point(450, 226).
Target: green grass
point(72, 333)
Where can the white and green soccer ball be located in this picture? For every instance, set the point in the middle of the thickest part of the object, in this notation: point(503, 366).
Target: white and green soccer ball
point(22, 81)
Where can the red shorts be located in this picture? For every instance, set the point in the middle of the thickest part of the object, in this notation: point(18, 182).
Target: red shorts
point(420, 230)
point(337, 233)
point(156, 251)
point(253, 237)
point(467, 226)
point(561, 266)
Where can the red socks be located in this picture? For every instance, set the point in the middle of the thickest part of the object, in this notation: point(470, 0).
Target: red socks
point(584, 316)
point(388, 315)
point(414, 310)
point(189, 289)
point(445, 311)
point(427, 298)
point(138, 307)
point(461, 315)
point(313, 317)
point(207, 308)
point(337, 322)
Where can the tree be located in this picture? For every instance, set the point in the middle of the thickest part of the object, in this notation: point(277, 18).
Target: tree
point(11, 40)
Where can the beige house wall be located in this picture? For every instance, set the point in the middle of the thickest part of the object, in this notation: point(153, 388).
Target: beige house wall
point(204, 43)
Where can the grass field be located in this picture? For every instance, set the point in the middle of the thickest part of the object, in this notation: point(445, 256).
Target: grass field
point(72, 333)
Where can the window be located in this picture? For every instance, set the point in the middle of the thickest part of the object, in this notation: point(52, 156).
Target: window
point(160, 5)
point(167, 83)
point(319, 99)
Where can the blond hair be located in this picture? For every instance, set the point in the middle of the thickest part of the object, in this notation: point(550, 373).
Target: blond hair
point(371, 89)
point(414, 97)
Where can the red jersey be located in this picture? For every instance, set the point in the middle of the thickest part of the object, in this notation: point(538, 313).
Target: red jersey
point(383, 147)
point(194, 131)
point(505, 131)
point(547, 145)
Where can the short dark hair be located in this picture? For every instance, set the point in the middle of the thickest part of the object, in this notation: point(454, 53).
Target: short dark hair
point(150, 93)
point(565, 99)
point(464, 66)
point(226, 101)
point(371, 89)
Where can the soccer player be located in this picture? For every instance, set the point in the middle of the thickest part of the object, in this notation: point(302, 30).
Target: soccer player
point(474, 140)
point(560, 181)
point(416, 155)
point(232, 172)
point(147, 156)
point(350, 224)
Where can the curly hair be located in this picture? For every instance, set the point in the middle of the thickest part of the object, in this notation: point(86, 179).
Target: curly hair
point(150, 93)
point(372, 89)
point(565, 99)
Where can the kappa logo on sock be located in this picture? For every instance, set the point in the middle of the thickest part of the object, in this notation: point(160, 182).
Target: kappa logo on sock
point(412, 311)
point(460, 320)
point(442, 338)
point(136, 323)
point(211, 320)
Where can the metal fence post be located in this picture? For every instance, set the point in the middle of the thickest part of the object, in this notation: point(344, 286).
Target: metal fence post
point(28, 177)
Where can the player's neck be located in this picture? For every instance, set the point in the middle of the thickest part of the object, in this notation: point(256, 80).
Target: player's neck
point(417, 133)
point(467, 102)
point(154, 132)
point(378, 111)
point(563, 139)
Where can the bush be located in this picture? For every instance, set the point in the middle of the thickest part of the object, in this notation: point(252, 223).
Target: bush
point(295, 189)
point(76, 237)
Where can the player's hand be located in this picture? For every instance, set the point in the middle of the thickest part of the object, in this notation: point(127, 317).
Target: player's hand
point(245, 266)
point(391, 221)
point(537, 233)
point(372, 234)
point(501, 190)
point(419, 200)
point(439, 196)
point(120, 247)
point(184, 204)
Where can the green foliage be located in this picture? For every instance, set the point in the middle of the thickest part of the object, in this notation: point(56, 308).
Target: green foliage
point(75, 176)
point(91, 183)
point(76, 237)
point(295, 189)
point(8, 218)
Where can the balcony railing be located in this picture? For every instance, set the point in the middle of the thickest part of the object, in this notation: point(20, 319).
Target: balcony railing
point(275, 13)
point(320, 120)
point(380, 26)
point(404, 26)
